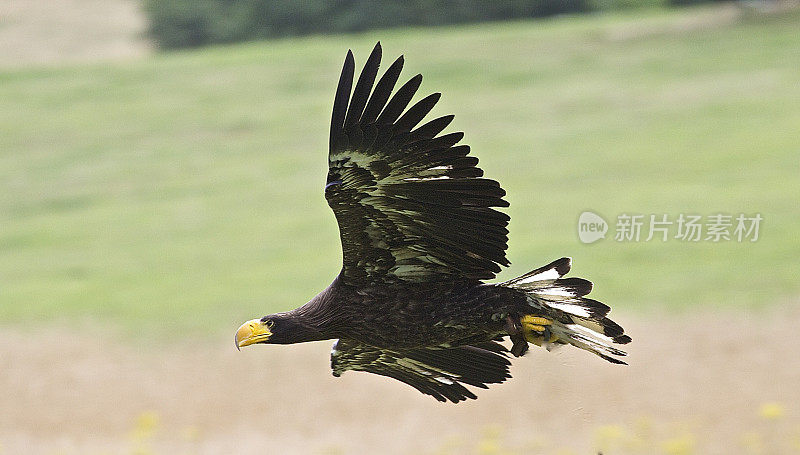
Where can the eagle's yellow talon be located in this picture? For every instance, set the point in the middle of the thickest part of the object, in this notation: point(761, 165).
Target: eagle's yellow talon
point(535, 320)
point(535, 329)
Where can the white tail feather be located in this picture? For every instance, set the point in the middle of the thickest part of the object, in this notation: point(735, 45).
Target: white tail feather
point(576, 320)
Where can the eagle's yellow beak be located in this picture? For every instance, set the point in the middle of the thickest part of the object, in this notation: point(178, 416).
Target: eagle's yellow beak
point(251, 332)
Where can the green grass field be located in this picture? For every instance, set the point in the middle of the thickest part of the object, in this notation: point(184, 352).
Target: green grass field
point(185, 191)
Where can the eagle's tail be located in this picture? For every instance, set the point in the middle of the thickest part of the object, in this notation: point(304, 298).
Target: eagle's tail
point(561, 314)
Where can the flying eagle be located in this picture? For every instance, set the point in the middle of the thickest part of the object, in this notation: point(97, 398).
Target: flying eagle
point(419, 235)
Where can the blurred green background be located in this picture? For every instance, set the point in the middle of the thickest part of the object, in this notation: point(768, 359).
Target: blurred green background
point(185, 190)
point(189, 23)
point(153, 197)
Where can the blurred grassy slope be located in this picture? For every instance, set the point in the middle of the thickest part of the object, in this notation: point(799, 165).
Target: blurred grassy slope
point(185, 191)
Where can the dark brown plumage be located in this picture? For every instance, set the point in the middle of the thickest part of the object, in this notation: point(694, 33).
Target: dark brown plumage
point(419, 232)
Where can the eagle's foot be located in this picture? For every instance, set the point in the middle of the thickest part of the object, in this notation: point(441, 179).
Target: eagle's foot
point(516, 333)
point(537, 329)
point(519, 345)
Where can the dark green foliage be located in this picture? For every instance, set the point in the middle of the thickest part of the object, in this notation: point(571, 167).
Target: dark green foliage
point(617, 5)
point(189, 23)
point(692, 2)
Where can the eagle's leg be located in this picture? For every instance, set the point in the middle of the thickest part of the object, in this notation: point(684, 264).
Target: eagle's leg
point(517, 336)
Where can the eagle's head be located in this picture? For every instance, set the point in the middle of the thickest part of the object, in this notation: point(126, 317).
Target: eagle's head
point(279, 328)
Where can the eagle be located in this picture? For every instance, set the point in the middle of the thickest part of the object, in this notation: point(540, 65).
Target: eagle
point(420, 235)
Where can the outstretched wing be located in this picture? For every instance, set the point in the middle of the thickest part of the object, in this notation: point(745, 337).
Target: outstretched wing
point(439, 372)
point(410, 203)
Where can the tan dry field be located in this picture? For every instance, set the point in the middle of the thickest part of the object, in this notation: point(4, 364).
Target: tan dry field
point(695, 384)
point(46, 32)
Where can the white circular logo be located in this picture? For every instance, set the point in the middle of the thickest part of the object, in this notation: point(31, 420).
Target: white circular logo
point(591, 227)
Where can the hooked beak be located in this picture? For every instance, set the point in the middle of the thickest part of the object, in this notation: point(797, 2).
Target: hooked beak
point(251, 332)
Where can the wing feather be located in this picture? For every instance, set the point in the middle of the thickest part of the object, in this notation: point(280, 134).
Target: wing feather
point(400, 101)
point(436, 371)
point(411, 204)
point(363, 87)
point(342, 98)
point(382, 92)
point(431, 129)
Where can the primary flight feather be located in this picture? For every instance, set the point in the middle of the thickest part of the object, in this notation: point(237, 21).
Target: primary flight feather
point(419, 233)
